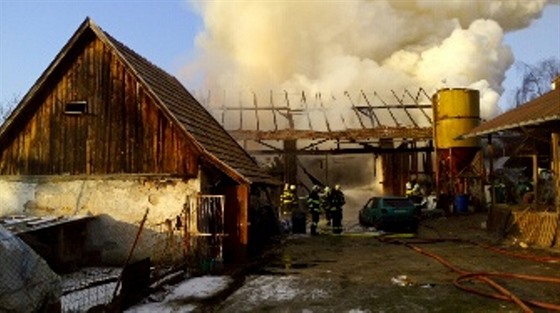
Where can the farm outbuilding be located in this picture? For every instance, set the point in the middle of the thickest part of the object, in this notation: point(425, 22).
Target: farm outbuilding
point(534, 127)
point(105, 133)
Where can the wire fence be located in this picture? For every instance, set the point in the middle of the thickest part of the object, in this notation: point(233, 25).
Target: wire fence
point(86, 264)
point(189, 241)
point(88, 288)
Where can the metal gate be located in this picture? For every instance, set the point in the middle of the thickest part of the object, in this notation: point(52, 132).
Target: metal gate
point(204, 221)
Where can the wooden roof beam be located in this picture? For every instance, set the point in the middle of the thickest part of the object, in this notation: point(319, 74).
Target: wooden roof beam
point(355, 134)
point(361, 150)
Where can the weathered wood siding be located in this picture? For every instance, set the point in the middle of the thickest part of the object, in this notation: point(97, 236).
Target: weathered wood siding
point(123, 131)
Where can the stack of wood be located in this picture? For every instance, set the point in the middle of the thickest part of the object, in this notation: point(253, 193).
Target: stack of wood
point(536, 228)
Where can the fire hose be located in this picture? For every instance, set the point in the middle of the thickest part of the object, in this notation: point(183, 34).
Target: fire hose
point(503, 294)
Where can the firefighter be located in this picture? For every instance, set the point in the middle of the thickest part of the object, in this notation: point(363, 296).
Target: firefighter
point(288, 200)
point(412, 188)
point(314, 207)
point(283, 197)
point(337, 202)
point(326, 205)
point(413, 191)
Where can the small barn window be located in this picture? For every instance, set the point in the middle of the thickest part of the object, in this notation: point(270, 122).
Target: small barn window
point(75, 107)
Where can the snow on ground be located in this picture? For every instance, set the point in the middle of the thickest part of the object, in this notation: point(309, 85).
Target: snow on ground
point(271, 288)
point(260, 291)
point(177, 299)
point(256, 291)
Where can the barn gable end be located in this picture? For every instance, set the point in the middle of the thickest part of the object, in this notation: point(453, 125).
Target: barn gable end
point(92, 116)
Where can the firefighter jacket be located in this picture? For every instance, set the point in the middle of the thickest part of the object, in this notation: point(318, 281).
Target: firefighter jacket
point(412, 189)
point(337, 199)
point(288, 200)
point(325, 202)
point(314, 202)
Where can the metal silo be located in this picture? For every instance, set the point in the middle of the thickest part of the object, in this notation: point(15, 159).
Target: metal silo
point(456, 111)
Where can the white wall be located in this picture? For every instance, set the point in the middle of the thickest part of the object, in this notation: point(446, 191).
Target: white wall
point(14, 195)
point(119, 206)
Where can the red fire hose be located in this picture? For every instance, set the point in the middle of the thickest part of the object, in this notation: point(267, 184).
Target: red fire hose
point(503, 294)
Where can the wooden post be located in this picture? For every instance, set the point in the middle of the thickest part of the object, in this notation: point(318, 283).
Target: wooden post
point(327, 170)
point(451, 177)
point(429, 163)
point(535, 175)
point(290, 161)
point(555, 149)
point(491, 170)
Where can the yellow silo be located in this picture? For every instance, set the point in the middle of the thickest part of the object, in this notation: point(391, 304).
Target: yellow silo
point(456, 112)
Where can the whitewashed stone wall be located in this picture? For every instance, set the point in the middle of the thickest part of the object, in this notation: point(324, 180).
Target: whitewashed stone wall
point(118, 205)
point(14, 196)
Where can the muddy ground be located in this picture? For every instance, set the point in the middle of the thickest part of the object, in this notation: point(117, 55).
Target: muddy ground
point(357, 272)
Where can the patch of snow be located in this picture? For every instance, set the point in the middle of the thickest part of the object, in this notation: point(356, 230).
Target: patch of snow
point(199, 287)
point(193, 288)
point(318, 294)
point(272, 288)
point(261, 291)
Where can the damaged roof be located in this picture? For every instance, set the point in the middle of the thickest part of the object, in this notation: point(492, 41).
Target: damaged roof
point(543, 109)
point(180, 106)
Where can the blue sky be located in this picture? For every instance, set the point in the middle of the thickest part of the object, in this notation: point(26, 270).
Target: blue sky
point(538, 42)
point(32, 32)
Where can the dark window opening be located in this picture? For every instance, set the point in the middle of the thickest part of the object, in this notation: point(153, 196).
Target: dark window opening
point(75, 107)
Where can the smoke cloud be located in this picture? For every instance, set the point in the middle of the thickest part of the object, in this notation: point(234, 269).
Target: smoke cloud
point(337, 46)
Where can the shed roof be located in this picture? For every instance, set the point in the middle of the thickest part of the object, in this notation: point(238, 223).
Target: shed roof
point(543, 109)
point(176, 102)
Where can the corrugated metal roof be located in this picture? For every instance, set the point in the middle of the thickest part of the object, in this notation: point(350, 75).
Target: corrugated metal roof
point(545, 108)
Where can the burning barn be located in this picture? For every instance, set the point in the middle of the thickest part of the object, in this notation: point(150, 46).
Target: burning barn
point(368, 143)
point(105, 133)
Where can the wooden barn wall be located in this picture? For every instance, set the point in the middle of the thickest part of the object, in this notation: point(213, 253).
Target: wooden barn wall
point(121, 132)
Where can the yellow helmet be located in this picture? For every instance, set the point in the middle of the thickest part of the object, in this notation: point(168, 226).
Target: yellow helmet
point(293, 187)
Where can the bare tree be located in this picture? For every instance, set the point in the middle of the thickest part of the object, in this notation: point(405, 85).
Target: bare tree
point(7, 106)
point(536, 79)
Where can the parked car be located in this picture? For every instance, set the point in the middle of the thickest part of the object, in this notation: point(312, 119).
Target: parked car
point(390, 213)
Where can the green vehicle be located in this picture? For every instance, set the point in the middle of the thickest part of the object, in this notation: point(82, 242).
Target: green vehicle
point(390, 213)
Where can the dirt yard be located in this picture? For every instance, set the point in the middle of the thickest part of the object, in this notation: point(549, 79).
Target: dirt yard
point(357, 272)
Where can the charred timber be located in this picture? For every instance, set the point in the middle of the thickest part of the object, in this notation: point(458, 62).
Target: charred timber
point(365, 150)
point(421, 133)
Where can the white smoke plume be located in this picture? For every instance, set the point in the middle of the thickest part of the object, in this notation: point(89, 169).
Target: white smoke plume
point(381, 45)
